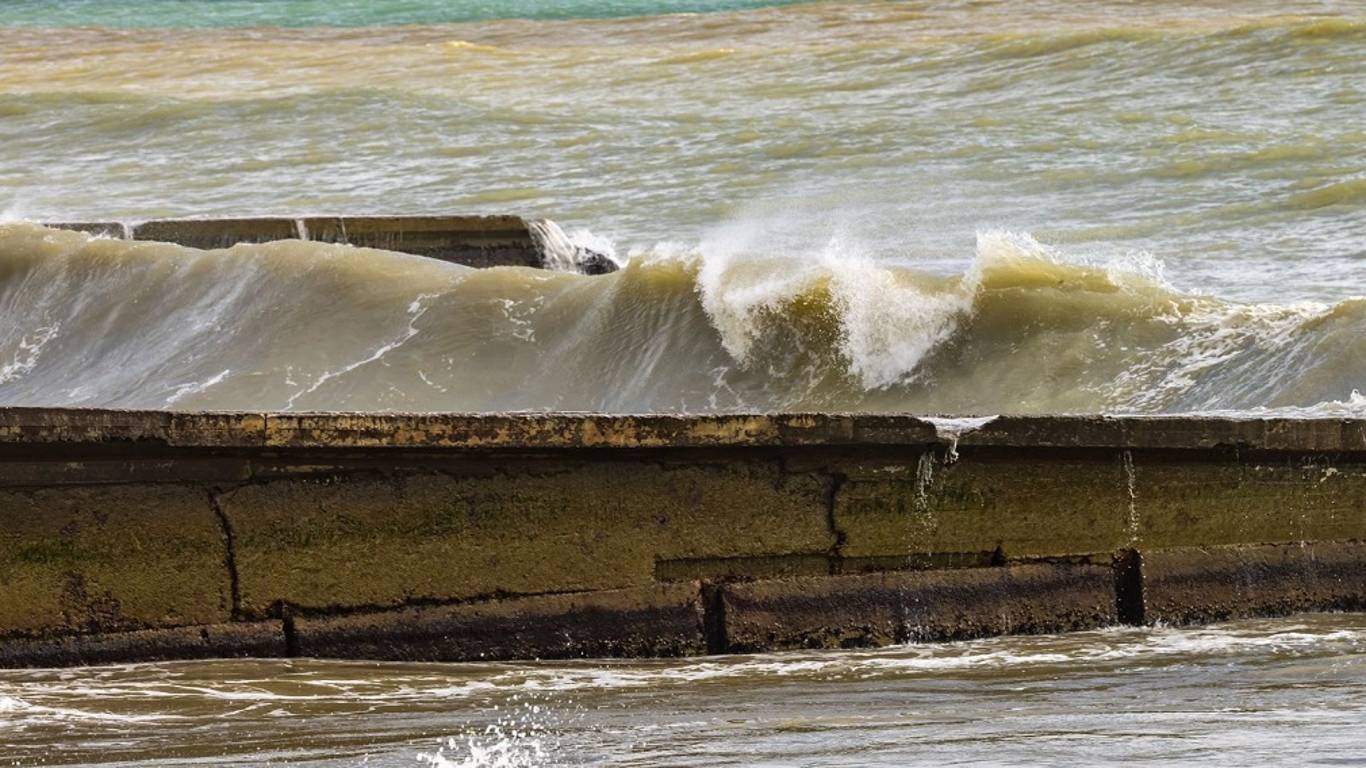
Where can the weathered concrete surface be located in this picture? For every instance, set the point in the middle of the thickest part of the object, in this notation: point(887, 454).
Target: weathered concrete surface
point(216, 641)
point(804, 529)
point(508, 528)
point(1216, 439)
point(217, 233)
point(1200, 584)
point(878, 609)
point(916, 506)
point(109, 558)
point(664, 620)
point(1274, 499)
point(475, 241)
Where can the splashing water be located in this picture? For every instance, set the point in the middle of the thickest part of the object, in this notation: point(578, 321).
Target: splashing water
point(729, 325)
point(1254, 689)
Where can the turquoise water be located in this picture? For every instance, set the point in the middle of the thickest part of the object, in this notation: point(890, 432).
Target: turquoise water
point(340, 13)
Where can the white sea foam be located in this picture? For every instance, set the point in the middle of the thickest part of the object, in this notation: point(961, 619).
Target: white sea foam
point(193, 388)
point(26, 354)
point(497, 749)
point(887, 322)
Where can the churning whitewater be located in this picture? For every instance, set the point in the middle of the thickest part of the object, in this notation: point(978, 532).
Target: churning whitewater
point(727, 325)
point(824, 164)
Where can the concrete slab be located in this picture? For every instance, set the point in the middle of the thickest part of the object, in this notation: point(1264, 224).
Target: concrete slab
point(885, 608)
point(1186, 585)
point(216, 641)
point(663, 620)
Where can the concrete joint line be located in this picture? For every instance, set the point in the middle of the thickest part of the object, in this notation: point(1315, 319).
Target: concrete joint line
point(714, 632)
point(834, 484)
point(229, 554)
point(1130, 603)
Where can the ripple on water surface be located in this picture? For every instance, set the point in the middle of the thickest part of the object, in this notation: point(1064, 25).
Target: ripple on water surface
point(1256, 692)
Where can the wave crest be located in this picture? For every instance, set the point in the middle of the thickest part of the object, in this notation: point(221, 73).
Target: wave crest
point(735, 323)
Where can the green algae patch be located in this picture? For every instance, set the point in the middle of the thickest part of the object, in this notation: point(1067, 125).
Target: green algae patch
point(109, 558)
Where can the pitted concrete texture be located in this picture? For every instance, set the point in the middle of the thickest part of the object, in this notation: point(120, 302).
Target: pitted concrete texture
point(239, 640)
point(109, 558)
point(878, 609)
point(1261, 500)
point(908, 505)
point(508, 527)
point(1223, 439)
point(664, 620)
point(1188, 585)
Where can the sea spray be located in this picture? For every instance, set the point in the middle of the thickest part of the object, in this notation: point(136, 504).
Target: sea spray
point(723, 326)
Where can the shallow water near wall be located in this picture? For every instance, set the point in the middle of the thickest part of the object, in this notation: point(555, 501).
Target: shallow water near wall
point(1283, 691)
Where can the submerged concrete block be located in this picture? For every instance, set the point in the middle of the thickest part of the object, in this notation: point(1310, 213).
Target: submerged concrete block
point(217, 233)
point(663, 620)
point(109, 558)
point(476, 241)
point(217, 641)
point(884, 608)
point(1186, 585)
point(519, 527)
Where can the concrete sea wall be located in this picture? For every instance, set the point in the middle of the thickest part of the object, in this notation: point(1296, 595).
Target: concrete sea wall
point(154, 535)
point(475, 241)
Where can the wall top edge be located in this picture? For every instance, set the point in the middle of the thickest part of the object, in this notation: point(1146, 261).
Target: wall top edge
point(523, 430)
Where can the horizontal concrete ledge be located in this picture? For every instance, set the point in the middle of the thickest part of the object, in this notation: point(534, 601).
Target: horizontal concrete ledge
point(216, 641)
point(884, 608)
point(37, 426)
point(1181, 586)
point(475, 241)
point(664, 620)
point(1187, 585)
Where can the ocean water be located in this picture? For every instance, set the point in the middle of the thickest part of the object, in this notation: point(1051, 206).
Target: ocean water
point(1273, 692)
point(344, 13)
point(964, 207)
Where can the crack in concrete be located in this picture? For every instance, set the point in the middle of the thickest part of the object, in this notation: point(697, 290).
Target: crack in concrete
point(1130, 603)
point(834, 484)
point(229, 555)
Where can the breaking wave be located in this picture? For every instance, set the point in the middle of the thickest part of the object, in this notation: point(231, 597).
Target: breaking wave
point(727, 325)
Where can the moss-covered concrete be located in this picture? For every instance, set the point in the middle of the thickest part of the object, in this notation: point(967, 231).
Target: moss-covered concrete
point(663, 620)
point(354, 534)
point(877, 609)
point(1260, 500)
point(509, 527)
point(108, 558)
point(920, 505)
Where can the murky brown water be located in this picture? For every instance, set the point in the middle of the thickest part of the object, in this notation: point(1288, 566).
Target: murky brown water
point(1276, 692)
point(824, 206)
